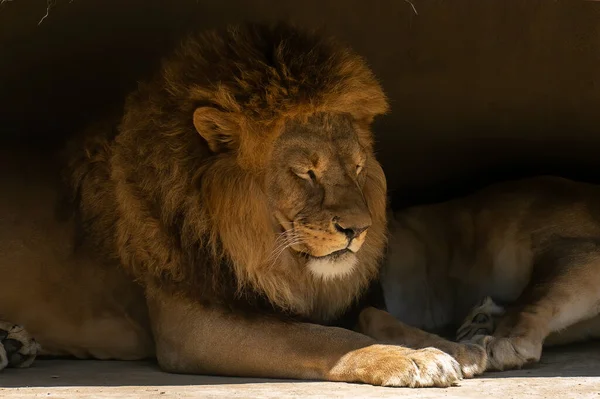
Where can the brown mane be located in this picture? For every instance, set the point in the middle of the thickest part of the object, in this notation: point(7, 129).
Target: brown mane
point(180, 217)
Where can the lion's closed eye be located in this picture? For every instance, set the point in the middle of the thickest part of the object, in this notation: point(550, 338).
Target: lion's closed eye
point(305, 174)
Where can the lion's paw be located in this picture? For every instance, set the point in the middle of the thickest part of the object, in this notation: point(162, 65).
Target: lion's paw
point(471, 357)
point(508, 353)
point(430, 367)
point(394, 366)
point(481, 320)
point(17, 347)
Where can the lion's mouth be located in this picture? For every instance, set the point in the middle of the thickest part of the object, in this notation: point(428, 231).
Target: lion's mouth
point(288, 225)
point(335, 255)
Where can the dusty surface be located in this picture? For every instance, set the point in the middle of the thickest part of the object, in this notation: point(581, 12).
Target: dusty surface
point(563, 373)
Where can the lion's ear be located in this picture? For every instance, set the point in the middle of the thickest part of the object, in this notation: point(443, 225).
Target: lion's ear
point(216, 127)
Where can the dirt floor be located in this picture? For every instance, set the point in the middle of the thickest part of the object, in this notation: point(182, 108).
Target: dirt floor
point(563, 373)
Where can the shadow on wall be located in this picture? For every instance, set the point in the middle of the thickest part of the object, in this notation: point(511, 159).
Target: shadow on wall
point(480, 91)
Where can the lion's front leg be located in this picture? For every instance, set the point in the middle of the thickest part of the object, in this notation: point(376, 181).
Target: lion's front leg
point(17, 347)
point(192, 338)
point(384, 327)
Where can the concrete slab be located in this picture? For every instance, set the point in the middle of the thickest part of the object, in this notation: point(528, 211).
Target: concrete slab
point(572, 372)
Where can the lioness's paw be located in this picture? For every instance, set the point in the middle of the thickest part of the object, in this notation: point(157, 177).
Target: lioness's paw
point(480, 320)
point(394, 366)
point(509, 353)
point(17, 347)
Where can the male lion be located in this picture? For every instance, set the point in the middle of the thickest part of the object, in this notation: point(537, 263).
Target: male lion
point(232, 211)
point(532, 245)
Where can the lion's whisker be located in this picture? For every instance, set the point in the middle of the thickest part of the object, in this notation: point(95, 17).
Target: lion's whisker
point(287, 240)
point(284, 245)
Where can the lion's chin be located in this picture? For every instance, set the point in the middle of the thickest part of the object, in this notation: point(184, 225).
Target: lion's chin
point(332, 267)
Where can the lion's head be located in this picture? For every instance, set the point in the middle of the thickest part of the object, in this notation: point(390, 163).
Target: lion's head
point(315, 185)
point(250, 157)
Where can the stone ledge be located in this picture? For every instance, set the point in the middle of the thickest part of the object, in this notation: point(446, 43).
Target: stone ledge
point(571, 372)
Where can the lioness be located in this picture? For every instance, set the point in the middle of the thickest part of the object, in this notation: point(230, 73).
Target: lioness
point(532, 245)
point(220, 222)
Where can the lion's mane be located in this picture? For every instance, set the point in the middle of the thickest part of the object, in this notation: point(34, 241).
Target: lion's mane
point(177, 216)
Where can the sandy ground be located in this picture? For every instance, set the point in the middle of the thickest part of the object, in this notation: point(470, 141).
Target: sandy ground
point(572, 372)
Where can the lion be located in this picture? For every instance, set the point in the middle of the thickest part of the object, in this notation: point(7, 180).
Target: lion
point(220, 223)
point(530, 248)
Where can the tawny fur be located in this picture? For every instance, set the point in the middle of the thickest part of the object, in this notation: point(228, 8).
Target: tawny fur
point(165, 206)
point(199, 217)
point(533, 245)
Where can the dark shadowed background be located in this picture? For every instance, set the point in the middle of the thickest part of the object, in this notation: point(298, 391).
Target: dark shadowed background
point(481, 90)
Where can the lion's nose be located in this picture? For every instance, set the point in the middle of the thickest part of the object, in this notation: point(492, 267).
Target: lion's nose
point(351, 231)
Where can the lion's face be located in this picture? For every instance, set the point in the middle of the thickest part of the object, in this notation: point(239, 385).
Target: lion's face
point(280, 187)
point(315, 185)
